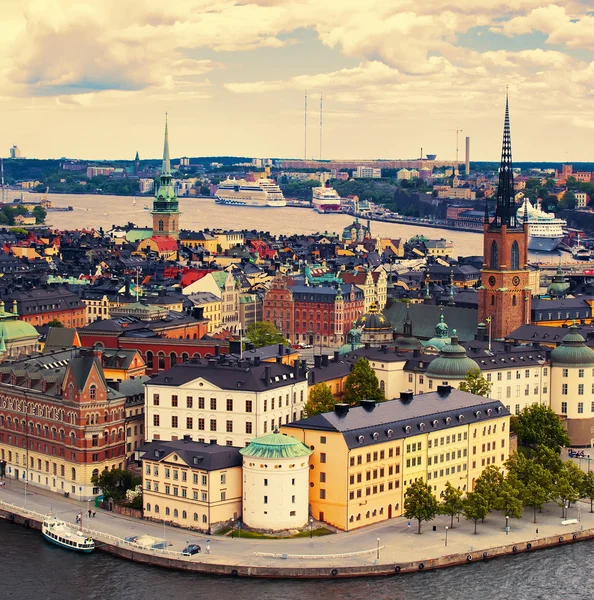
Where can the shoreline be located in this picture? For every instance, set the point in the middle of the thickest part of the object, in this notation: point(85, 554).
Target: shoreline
point(331, 569)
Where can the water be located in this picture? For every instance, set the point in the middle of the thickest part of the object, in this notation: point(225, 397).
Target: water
point(197, 213)
point(33, 568)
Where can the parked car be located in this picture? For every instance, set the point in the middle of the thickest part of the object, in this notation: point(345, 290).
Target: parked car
point(191, 549)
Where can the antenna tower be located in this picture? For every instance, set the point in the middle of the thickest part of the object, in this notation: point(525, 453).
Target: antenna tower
point(320, 126)
point(2, 169)
point(305, 126)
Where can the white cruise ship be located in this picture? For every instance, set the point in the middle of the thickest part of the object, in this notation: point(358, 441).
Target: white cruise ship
point(239, 192)
point(325, 199)
point(545, 231)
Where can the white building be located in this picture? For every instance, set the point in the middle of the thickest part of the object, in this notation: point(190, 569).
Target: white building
point(146, 186)
point(276, 482)
point(362, 172)
point(227, 402)
point(15, 152)
point(403, 174)
point(581, 199)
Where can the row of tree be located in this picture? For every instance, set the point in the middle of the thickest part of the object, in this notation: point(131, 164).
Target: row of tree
point(528, 483)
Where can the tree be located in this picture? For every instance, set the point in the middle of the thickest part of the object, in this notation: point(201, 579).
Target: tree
point(263, 333)
point(362, 384)
point(549, 459)
point(475, 508)
point(537, 424)
point(320, 400)
point(475, 383)
point(488, 485)
point(532, 479)
point(568, 201)
point(55, 322)
point(39, 213)
point(509, 501)
point(116, 483)
point(420, 503)
point(451, 502)
point(587, 490)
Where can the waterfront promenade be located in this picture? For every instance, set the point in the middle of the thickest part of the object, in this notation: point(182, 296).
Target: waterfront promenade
point(323, 556)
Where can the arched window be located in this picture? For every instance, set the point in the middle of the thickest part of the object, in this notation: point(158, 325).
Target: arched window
point(149, 359)
point(161, 357)
point(167, 511)
point(382, 385)
point(513, 300)
point(494, 255)
point(185, 357)
point(156, 508)
point(492, 299)
point(95, 473)
point(161, 225)
point(73, 474)
point(515, 256)
point(175, 513)
point(184, 514)
point(172, 358)
point(195, 516)
point(93, 392)
point(148, 508)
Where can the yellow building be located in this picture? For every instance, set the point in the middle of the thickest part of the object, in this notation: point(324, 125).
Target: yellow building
point(191, 484)
point(365, 457)
point(198, 239)
point(212, 309)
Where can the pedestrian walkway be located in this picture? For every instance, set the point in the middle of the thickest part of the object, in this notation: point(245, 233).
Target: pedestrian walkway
point(394, 541)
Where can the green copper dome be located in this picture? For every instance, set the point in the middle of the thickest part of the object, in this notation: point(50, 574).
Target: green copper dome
point(373, 320)
point(573, 351)
point(559, 285)
point(275, 446)
point(452, 362)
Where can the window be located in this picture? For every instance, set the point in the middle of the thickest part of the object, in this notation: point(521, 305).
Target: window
point(229, 426)
point(580, 407)
point(201, 424)
point(580, 389)
point(581, 373)
point(155, 399)
point(565, 372)
point(223, 479)
point(515, 256)
point(322, 457)
point(213, 404)
point(156, 420)
point(248, 406)
point(174, 421)
point(174, 401)
point(265, 499)
point(494, 255)
point(189, 402)
point(248, 427)
point(564, 389)
point(204, 479)
point(93, 392)
point(189, 422)
point(213, 424)
point(322, 494)
point(322, 477)
point(322, 439)
point(229, 404)
point(200, 402)
point(564, 407)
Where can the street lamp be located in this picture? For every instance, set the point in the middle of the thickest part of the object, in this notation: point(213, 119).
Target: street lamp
point(232, 526)
point(310, 527)
point(506, 525)
point(446, 540)
point(378, 540)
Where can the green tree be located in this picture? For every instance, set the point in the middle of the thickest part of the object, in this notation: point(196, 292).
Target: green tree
point(475, 508)
point(39, 213)
point(587, 489)
point(263, 333)
point(420, 503)
point(116, 483)
point(537, 424)
point(488, 484)
point(362, 384)
point(475, 383)
point(320, 400)
point(451, 502)
point(55, 322)
point(509, 501)
point(568, 201)
point(549, 459)
point(532, 479)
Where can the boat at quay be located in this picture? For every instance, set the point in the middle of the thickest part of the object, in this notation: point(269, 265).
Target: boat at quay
point(239, 192)
point(62, 534)
point(545, 231)
point(325, 199)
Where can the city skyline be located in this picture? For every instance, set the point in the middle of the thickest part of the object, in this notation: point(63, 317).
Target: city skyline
point(92, 82)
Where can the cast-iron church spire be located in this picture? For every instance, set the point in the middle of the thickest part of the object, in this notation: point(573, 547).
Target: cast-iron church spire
point(505, 213)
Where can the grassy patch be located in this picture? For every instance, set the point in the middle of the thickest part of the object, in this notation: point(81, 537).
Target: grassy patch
point(256, 535)
point(315, 533)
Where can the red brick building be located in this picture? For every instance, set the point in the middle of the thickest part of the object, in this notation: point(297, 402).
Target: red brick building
point(60, 422)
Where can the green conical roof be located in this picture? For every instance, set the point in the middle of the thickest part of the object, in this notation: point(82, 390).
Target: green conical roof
point(573, 351)
point(452, 362)
point(559, 285)
point(275, 446)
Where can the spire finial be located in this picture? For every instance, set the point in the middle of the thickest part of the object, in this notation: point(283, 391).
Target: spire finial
point(166, 169)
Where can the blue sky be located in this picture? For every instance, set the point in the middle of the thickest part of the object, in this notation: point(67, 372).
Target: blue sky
point(93, 80)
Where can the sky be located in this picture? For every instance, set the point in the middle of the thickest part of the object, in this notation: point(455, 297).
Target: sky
point(93, 79)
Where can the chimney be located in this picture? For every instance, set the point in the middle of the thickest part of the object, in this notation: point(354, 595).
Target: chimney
point(267, 375)
point(317, 361)
point(467, 165)
point(416, 353)
point(234, 347)
point(324, 360)
point(341, 409)
point(281, 349)
point(217, 350)
point(303, 368)
point(367, 345)
point(187, 438)
point(296, 369)
point(336, 356)
point(279, 360)
point(368, 405)
point(507, 346)
point(444, 390)
point(406, 396)
point(256, 361)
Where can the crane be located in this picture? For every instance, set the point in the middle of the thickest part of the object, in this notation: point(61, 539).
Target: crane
point(458, 132)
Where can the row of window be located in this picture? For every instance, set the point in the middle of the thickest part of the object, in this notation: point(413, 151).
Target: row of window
point(447, 471)
point(580, 407)
point(374, 456)
point(181, 492)
point(369, 491)
point(184, 514)
point(370, 513)
point(229, 402)
point(369, 475)
point(580, 389)
point(228, 424)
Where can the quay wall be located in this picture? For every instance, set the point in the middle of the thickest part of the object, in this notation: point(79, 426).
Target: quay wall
point(173, 560)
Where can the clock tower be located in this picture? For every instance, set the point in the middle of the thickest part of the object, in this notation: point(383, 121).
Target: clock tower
point(505, 297)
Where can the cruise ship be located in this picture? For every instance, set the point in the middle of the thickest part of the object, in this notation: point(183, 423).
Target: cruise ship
point(239, 192)
point(545, 231)
point(325, 199)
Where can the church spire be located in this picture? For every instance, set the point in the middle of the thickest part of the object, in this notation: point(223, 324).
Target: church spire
point(166, 168)
point(505, 213)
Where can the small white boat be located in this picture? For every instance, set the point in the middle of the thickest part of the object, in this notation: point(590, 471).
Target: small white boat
point(134, 202)
point(64, 535)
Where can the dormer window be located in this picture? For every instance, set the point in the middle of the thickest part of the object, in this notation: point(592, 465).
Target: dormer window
point(361, 439)
point(389, 432)
point(448, 420)
point(407, 429)
point(93, 392)
point(435, 423)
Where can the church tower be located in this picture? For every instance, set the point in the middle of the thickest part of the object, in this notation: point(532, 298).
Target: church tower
point(165, 206)
point(505, 298)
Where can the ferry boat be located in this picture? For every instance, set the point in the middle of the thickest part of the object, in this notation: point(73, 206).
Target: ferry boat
point(580, 252)
point(545, 231)
point(325, 199)
point(60, 533)
point(239, 192)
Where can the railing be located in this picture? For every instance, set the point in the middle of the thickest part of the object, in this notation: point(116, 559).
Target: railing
point(318, 556)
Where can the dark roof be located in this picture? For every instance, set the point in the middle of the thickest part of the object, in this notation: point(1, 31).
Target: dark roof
point(230, 375)
point(396, 419)
point(207, 457)
point(44, 300)
point(58, 338)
